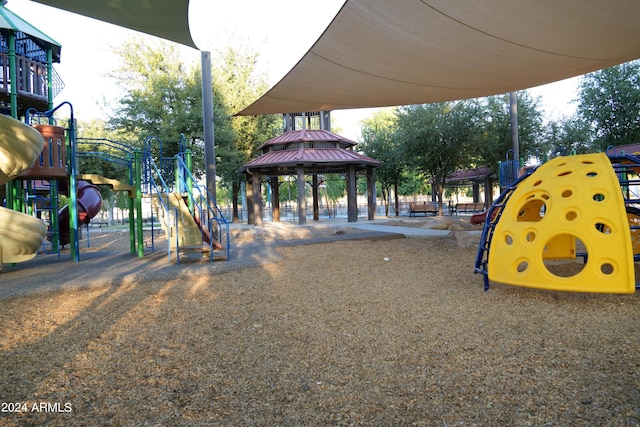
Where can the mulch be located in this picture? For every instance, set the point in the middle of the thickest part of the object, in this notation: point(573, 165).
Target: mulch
point(325, 334)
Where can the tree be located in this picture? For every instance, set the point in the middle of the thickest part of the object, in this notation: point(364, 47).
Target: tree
point(378, 142)
point(438, 138)
point(495, 139)
point(567, 135)
point(609, 100)
point(239, 83)
point(162, 96)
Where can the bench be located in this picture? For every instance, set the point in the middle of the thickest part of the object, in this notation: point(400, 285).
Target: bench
point(470, 207)
point(423, 208)
point(98, 223)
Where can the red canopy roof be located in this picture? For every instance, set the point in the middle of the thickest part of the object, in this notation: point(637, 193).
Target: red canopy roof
point(310, 148)
point(308, 135)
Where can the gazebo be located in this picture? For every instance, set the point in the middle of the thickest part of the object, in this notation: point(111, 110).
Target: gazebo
point(302, 153)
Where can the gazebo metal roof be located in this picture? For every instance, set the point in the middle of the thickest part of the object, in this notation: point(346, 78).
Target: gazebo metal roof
point(308, 135)
point(313, 149)
point(323, 157)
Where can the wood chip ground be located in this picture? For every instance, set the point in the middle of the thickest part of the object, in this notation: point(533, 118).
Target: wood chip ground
point(329, 335)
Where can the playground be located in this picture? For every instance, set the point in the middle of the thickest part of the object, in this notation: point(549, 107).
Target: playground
point(325, 332)
point(341, 324)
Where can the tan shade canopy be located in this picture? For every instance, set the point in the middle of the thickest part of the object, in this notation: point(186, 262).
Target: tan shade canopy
point(383, 53)
point(167, 19)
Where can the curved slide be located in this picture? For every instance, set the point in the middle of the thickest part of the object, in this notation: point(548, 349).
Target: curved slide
point(20, 235)
point(89, 204)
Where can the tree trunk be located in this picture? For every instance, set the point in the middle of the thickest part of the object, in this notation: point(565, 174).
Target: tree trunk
point(235, 193)
point(385, 199)
point(395, 193)
point(438, 190)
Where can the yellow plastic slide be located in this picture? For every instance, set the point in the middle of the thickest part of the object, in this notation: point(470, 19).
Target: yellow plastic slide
point(20, 235)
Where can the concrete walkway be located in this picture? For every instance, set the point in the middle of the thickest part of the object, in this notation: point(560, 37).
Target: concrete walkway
point(394, 229)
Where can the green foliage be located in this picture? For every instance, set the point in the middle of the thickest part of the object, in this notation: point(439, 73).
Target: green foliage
point(335, 186)
point(609, 101)
point(163, 96)
point(566, 136)
point(495, 139)
point(163, 99)
point(378, 142)
point(413, 182)
point(239, 82)
point(437, 139)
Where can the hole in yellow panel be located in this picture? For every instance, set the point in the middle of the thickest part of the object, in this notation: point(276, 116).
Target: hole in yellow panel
point(587, 162)
point(508, 239)
point(567, 193)
point(598, 197)
point(603, 228)
point(607, 268)
point(565, 173)
point(538, 182)
point(568, 257)
point(571, 215)
point(532, 211)
point(530, 237)
point(522, 266)
point(592, 174)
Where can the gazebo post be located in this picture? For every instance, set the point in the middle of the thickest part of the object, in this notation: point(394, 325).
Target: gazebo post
point(352, 196)
point(476, 192)
point(371, 194)
point(302, 202)
point(275, 198)
point(250, 201)
point(257, 198)
point(316, 208)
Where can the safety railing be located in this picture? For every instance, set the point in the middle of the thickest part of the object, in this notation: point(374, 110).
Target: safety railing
point(207, 214)
point(157, 185)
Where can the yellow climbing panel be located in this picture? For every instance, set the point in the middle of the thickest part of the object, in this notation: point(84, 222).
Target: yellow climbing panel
point(569, 206)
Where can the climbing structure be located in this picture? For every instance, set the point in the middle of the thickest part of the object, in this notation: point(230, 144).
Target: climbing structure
point(568, 209)
point(186, 211)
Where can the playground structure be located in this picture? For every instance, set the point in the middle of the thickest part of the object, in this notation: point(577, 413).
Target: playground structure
point(187, 212)
point(580, 210)
point(59, 168)
point(20, 234)
point(40, 160)
point(186, 216)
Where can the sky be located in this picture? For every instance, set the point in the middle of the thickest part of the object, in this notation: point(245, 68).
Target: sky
point(282, 30)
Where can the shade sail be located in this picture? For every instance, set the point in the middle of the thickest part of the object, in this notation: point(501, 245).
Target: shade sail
point(384, 53)
point(167, 19)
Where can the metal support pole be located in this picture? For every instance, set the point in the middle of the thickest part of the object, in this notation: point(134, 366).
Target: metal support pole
point(13, 75)
point(73, 193)
point(207, 119)
point(50, 78)
point(138, 200)
point(513, 118)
